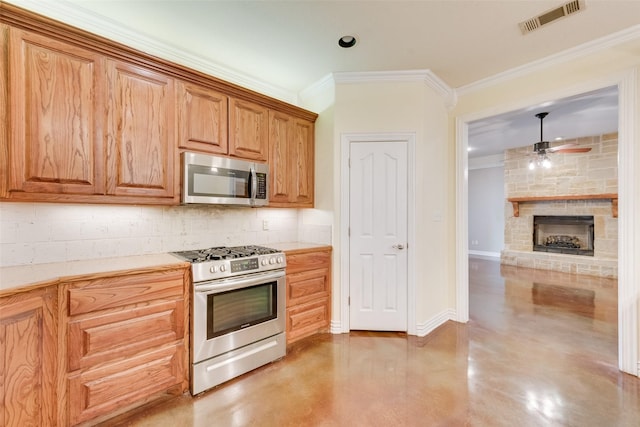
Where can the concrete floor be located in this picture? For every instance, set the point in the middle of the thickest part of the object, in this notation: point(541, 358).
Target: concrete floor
point(540, 350)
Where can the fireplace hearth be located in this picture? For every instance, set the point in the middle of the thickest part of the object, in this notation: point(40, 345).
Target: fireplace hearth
point(560, 234)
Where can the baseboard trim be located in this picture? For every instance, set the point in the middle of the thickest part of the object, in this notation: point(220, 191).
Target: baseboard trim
point(424, 329)
point(485, 254)
point(335, 327)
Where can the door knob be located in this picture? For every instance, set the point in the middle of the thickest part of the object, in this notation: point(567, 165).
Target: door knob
point(398, 247)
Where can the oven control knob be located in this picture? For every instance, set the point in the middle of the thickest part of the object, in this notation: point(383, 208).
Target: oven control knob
point(264, 261)
point(214, 269)
point(223, 268)
point(272, 260)
point(280, 260)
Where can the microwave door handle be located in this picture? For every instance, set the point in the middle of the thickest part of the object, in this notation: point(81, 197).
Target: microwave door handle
point(253, 181)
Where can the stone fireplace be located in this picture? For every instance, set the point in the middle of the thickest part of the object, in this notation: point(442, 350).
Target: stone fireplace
point(582, 186)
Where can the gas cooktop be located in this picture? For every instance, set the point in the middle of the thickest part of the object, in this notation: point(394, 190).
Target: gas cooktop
point(222, 262)
point(224, 252)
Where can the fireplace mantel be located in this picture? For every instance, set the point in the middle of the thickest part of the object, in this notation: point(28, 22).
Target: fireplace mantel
point(515, 201)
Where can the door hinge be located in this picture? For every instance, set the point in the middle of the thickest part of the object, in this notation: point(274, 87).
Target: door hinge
point(349, 161)
point(348, 231)
point(348, 300)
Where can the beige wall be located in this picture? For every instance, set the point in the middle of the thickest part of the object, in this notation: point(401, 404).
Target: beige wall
point(404, 107)
point(555, 80)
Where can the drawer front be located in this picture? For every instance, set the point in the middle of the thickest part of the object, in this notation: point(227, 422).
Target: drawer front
point(97, 392)
point(308, 261)
point(306, 286)
point(121, 334)
point(307, 319)
point(100, 294)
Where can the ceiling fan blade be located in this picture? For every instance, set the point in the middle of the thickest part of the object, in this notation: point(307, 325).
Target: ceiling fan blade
point(573, 150)
point(561, 147)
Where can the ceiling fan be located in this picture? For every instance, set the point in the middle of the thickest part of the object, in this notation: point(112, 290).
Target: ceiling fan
point(542, 148)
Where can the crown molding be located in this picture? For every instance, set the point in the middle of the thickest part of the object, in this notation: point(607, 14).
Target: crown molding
point(318, 96)
point(424, 76)
point(629, 34)
point(84, 19)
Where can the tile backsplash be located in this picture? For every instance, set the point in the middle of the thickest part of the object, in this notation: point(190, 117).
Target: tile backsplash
point(34, 233)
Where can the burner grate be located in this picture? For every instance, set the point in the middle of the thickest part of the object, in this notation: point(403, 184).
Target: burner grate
point(223, 252)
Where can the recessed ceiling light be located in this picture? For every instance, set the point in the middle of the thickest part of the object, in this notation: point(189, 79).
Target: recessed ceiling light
point(347, 41)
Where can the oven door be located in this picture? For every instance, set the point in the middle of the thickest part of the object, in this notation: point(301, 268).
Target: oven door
point(231, 313)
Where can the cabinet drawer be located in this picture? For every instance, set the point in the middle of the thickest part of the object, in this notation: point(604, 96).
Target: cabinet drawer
point(307, 319)
point(116, 335)
point(100, 294)
point(308, 261)
point(307, 285)
point(96, 392)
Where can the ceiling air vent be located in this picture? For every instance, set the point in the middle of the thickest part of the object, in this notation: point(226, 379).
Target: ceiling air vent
point(551, 15)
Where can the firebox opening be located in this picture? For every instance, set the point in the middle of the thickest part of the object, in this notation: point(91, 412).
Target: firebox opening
point(563, 234)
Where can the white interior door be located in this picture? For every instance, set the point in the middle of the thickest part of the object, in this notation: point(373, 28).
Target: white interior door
point(378, 236)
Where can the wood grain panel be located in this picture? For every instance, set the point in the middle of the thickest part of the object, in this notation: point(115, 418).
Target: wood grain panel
point(123, 333)
point(142, 156)
point(307, 285)
point(308, 261)
point(102, 390)
point(202, 119)
point(307, 319)
point(248, 130)
point(27, 359)
point(110, 292)
point(303, 167)
point(280, 141)
point(55, 119)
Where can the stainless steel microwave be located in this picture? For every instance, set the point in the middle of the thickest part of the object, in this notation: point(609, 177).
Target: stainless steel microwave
point(208, 179)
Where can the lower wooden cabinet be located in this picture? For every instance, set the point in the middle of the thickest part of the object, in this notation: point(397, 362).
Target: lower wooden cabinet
point(126, 342)
point(28, 358)
point(308, 292)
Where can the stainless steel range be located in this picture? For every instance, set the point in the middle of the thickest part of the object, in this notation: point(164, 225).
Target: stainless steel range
point(237, 313)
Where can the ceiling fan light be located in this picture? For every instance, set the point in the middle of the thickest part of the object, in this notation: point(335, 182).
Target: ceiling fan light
point(532, 165)
point(546, 163)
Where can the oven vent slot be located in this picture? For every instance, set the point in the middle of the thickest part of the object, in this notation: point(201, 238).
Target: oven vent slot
point(551, 15)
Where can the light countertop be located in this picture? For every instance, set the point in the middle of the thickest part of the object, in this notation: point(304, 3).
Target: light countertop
point(296, 246)
point(25, 277)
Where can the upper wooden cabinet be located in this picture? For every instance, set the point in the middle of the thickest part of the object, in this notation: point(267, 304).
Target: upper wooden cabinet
point(291, 161)
point(140, 132)
point(202, 119)
point(89, 120)
point(56, 145)
point(248, 130)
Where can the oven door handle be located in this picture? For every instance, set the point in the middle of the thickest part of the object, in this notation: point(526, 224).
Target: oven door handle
point(231, 283)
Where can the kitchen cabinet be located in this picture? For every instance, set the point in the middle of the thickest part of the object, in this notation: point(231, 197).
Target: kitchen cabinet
point(141, 158)
point(291, 161)
point(202, 119)
point(125, 339)
point(90, 120)
point(54, 119)
point(308, 292)
point(248, 130)
point(28, 344)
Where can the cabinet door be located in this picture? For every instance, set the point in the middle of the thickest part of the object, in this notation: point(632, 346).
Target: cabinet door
point(27, 359)
point(280, 158)
point(303, 167)
point(55, 135)
point(248, 130)
point(202, 119)
point(141, 152)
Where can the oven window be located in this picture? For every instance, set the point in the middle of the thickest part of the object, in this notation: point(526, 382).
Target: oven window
point(238, 309)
